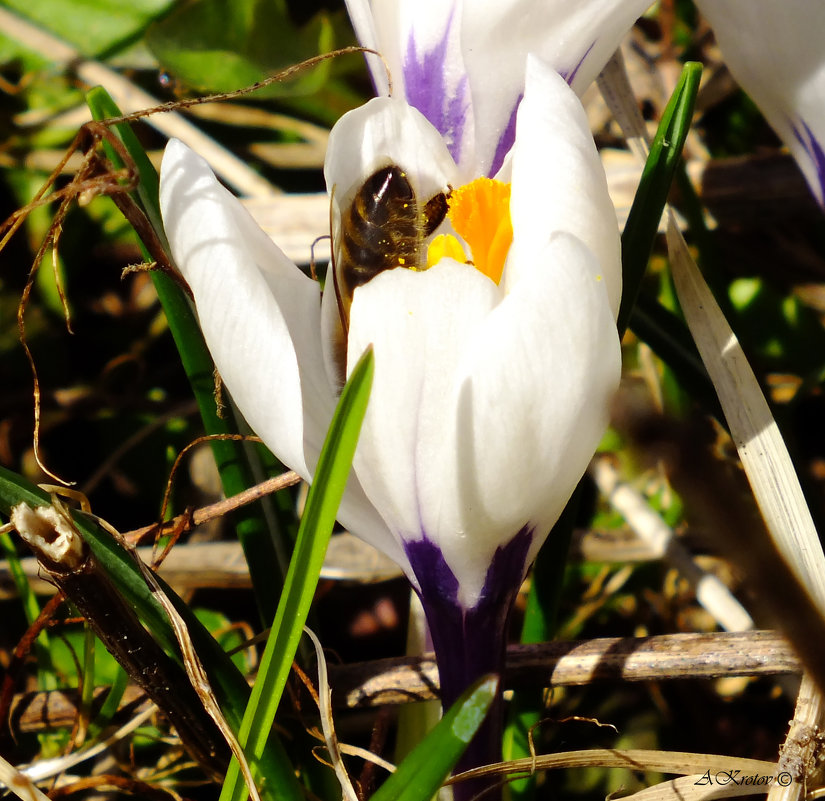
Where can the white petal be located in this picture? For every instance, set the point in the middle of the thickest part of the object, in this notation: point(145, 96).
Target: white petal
point(575, 37)
point(361, 15)
point(382, 132)
point(535, 389)
point(774, 48)
point(559, 182)
point(359, 516)
point(420, 43)
point(259, 314)
point(419, 323)
point(484, 412)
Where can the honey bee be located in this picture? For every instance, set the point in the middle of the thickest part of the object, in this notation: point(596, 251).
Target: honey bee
point(384, 227)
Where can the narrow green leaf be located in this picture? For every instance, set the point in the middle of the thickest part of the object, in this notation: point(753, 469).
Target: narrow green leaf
point(230, 457)
point(655, 325)
point(646, 211)
point(314, 532)
point(31, 607)
point(111, 704)
point(88, 668)
point(421, 774)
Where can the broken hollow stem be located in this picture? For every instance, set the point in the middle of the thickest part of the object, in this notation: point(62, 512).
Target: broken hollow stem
point(70, 565)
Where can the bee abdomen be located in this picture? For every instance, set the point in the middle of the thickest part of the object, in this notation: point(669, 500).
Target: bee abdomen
point(382, 229)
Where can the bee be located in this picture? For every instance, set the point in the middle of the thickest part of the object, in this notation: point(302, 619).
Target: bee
point(384, 226)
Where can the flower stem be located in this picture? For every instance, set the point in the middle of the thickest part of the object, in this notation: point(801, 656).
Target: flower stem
point(470, 642)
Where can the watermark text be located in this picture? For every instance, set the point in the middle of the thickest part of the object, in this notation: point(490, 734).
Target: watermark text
point(722, 778)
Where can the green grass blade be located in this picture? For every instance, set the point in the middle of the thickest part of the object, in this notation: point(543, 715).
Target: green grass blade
point(31, 608)
point(236, 475)
point(315, 530)
point(646, 211)
point(111, 704)
point(655, 325)
point(421, 774)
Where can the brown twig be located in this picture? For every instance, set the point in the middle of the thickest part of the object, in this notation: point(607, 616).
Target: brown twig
point(190, 520)
point(405, 679)
point(670, 656)
point(123, 784)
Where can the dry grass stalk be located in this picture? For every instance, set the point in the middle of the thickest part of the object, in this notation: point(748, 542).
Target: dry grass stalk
point(677, 762)
point(327, 723)
point(711, 592)
point(18, 783)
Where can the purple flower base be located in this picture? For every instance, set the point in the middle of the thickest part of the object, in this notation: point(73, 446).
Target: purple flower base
point(470, 643)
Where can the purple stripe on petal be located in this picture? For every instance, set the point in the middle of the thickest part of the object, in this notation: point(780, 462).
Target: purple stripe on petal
point(816, 153)
point(425, 81)
point(571, 75)
point(506, 140)
point(508, 136)
point(470, 643)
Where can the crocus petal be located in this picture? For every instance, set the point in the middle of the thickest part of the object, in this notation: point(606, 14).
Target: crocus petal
point(379, 32)
point(419, 325)
point(559, 182)
point(774, 49)
point(386, 131)
point(574, 38)
point(484, 410)
point(420, 43)
point(535, 388)
point(259, 314)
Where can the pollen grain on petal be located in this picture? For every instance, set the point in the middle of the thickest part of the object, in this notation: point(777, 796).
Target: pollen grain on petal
point(480, 214)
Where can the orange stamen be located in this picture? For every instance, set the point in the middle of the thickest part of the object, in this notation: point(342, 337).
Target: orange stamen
point(480, 214)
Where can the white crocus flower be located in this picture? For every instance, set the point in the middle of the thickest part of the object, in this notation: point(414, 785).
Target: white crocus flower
point(490, 393)
point(496, 354)
point(461, 62)
point(774, 48)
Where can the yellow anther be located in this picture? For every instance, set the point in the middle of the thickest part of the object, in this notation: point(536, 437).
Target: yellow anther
point(445, 246)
